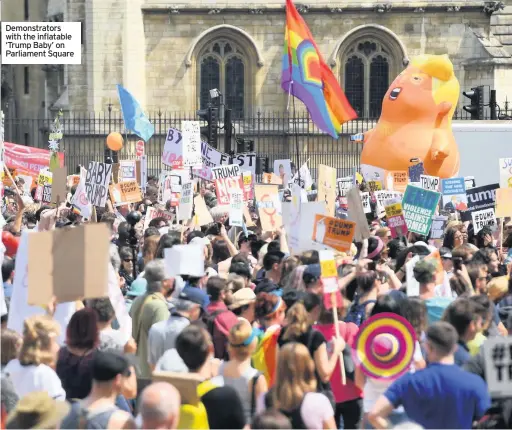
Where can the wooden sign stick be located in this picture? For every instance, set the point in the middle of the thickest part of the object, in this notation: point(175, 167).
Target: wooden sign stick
point(337, 329)
point(12, 180)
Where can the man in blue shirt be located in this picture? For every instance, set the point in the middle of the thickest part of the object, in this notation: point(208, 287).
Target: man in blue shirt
point(439, 396)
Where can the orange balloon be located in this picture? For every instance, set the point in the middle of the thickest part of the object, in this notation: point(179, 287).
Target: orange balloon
point(115, 141)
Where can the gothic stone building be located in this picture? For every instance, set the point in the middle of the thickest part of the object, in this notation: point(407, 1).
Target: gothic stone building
point(170, 54)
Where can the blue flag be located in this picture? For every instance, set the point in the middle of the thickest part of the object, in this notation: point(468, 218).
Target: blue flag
point(134, 119)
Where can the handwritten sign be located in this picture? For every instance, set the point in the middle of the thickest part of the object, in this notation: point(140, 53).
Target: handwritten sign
point(396, 221)
point(429, 182)
point(127, 171)
point(191, 143)
point(397, 180)
point(125, 192)
point(96, 182)
point(185, 207)
point(365, 200)
point(227, 178)
point(505, 172)
point(334, 232)
point(344, 184)
point(375, 185)
point(236, 213)
point(483, 218)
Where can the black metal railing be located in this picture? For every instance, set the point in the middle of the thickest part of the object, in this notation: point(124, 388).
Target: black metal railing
point(276, 135)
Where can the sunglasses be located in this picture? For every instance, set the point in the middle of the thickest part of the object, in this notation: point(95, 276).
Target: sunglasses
point(128, 260)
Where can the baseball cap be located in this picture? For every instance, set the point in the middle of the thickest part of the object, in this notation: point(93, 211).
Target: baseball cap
point(242, 297)
point(311, 271)
point(445, 253)
point(106, 365)
point(194, 295)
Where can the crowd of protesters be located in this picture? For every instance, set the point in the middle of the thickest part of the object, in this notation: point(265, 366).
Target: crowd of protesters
point(255, 331)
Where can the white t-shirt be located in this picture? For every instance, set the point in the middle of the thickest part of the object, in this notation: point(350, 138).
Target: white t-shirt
point(27, 379)
point(374, 388)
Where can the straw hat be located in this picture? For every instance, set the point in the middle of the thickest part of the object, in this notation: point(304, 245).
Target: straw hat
point(37, 410)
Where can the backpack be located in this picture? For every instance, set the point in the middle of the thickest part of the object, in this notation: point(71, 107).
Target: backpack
point(357, 312)
point(196, 416)
point(209, 321)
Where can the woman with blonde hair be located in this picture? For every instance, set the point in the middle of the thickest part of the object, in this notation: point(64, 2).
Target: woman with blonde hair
point(34, 370)
point(295, 391)
point(11, 343)
point(299, 328)
point(294, 281)
point(238, 372)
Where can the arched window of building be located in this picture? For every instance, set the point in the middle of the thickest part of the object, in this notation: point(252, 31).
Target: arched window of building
point(223, 66)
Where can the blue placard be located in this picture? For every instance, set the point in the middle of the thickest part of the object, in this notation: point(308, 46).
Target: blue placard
point(419, 206)
point(453, 186)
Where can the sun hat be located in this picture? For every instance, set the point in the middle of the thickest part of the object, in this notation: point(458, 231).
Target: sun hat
point(37, 410)
point(242, 297)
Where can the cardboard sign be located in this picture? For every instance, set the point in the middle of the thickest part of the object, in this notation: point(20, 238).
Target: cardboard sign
point(268, 206)
point(480, 198)
point(271, 179)
point(79, 199)
point(46, 196)
point(283, 170)
point(503, 202)
point(429, 182)
point(125, 192)
point(223, 172)
point(382, 197)
point(334, 232)
point(356, 214)
point(483, 218)
point(59, 185)
point(498, 364)
point(328, 271)
point(397, 180)
point(70, 276)
point(438, 227)
point(127, 171)
point(236, 213)
point(454, 195)
point(419, 207)
point(44, 178)
point(327, 187)
point(248, 182)
point(505, 166)
point(96, 182)
point(184, 260)
point(191, 143)
point(202, 214)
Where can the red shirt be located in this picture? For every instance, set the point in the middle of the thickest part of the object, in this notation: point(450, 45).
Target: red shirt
point(348, 331)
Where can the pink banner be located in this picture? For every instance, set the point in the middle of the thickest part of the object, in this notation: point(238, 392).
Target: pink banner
point(26, 159)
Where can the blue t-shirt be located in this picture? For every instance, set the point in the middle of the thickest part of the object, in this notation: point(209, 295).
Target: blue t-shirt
point(436, 307)
point(462, 355)
point(441, 396)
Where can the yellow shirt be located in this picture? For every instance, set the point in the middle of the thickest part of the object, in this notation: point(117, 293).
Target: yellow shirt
point(475, 344)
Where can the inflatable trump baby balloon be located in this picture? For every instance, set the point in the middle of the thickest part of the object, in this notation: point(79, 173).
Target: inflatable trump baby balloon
point(416, 119)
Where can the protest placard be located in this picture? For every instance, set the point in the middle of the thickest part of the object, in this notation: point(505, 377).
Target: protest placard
point(356, 214)
point(127, 171)
point(429, 182)
point(365, 200)
point(271, 179)
point(223, 186)
point(479, 198)
point(327, 187)
point(79, 200)
point(77, 275)
point(185, 207)
point(334, 232)
point(397, 180)
point(395, 220)
point(59, 185)
point(73, 180)
point(125, 192)
point(483, 218)
point(248, 182)
point(505, 166)
point(438, 227)
point(268, 207)
point(469, 182)
point(202, 214)
point(503, 202)
point(236, 213)
point(46, 196)
point(419, 206)
point(344, 184)
point(184, 260)
point(96, 182)
point(303, 177)
point(382, 197)
point(191, 143)
point(454, 194)
point(152, 213)
point(498, 366)
point(415, 172)
point(283, 169)
point(229, 171)
point(44, 178)
point(375, 186)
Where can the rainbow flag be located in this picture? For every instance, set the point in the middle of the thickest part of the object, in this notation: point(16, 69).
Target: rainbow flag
point(264, 358)
point(306, 76)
